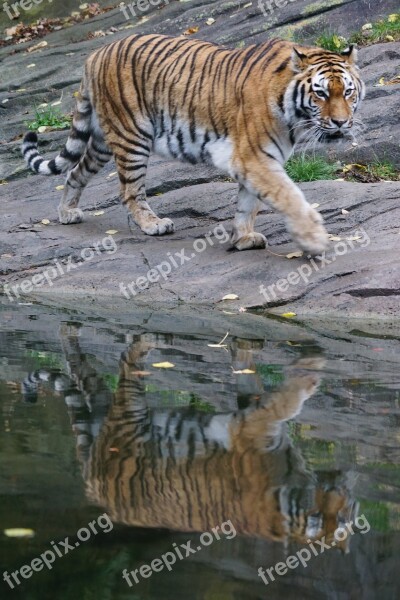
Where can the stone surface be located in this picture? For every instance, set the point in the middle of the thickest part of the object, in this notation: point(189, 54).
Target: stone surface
point(363, 281)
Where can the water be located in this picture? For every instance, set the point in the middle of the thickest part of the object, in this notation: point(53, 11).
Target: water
point(305, 442)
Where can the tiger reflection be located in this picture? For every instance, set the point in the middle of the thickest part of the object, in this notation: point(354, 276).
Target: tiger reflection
point(188, 470)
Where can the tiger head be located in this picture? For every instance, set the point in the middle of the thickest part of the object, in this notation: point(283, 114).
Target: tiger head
point(325, 92)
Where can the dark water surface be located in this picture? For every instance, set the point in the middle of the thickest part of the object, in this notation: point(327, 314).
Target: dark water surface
point(302, 442)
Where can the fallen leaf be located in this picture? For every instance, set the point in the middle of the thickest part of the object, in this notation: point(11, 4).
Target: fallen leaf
point(231, 297)
point(389, 38)
point(315, 205)
point(45, 221)
point(296, 254)
point(242, 309)
point(42, 129)
point(163, 365)
point(393, 18)
point(112, 231)
point(21, 90)
point(112, 174)
point(5, 101)
point(59, 188)
point(288, 315)
point(244, 372)
point(19, 532)
point(210, 21)
point(247, 5)
point(3, 182)
point(43, 105)
point(191, 30)
point(344, 211)
point(352, 238)
point(98, 213)
point(335, 238)
point(6, 256)
point(37, 46)
point(293, 344)
point(56, 103)
point(30, 66)
point(366, 27)
point(113, 449)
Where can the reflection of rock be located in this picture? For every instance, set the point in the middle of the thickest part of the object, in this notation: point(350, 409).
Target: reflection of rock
point(188, 470)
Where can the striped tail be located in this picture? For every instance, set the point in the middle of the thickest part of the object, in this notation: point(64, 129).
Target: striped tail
point(73, 149)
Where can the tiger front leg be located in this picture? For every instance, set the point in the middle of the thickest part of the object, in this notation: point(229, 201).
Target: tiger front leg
point(269, 181)
point(243, 235)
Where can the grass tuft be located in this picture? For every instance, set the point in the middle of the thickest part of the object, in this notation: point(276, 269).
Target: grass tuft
point(332, 42)
point(49, 117)
point(313, 168)
point(385, 30)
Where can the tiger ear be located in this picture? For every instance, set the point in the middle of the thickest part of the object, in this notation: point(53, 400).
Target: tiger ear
point(299, 60)
point(350, 54)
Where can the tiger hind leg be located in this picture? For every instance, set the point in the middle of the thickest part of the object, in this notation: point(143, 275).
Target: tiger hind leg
point(97, 154)
point(243, 235)
point(132, 167)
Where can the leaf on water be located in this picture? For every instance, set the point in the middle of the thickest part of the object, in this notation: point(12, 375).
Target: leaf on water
point(230, 297)
point(292, 344)
point(141, 373)
point(98, 213)
point(296, 254)
point(45, 221)
point(191, 30)
point(163, 365)
point(59, 188)
point(112, 231)
point(315, 205)
point(19, 532)
point(344, 211)
point(244, 372)
point(288, 315)
point(210, 21)
point(220, 344)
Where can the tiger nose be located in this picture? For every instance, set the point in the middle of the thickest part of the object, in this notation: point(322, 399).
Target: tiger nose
point(338, 122)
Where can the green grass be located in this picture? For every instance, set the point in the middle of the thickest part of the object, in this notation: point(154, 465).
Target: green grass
point(331, 42)
point(49, 117)
point(384, 170)
point(314, 168)
point(379, 31)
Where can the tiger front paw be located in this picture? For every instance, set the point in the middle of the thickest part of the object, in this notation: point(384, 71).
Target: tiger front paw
point(249, 241)
point(309, 232)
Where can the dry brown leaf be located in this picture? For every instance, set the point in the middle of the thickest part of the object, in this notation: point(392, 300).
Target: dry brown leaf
point(244, 372)
point(37, 46)
point(191, 30)
point(163, 365)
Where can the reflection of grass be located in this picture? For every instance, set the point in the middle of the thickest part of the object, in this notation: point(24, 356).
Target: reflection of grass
point(272, 375)
point(45, 360)
point(179, 399)
point(377, 515)
point(111, 381)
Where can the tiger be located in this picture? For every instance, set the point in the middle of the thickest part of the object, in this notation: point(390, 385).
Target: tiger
point(186, 470)
point(241, 110)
